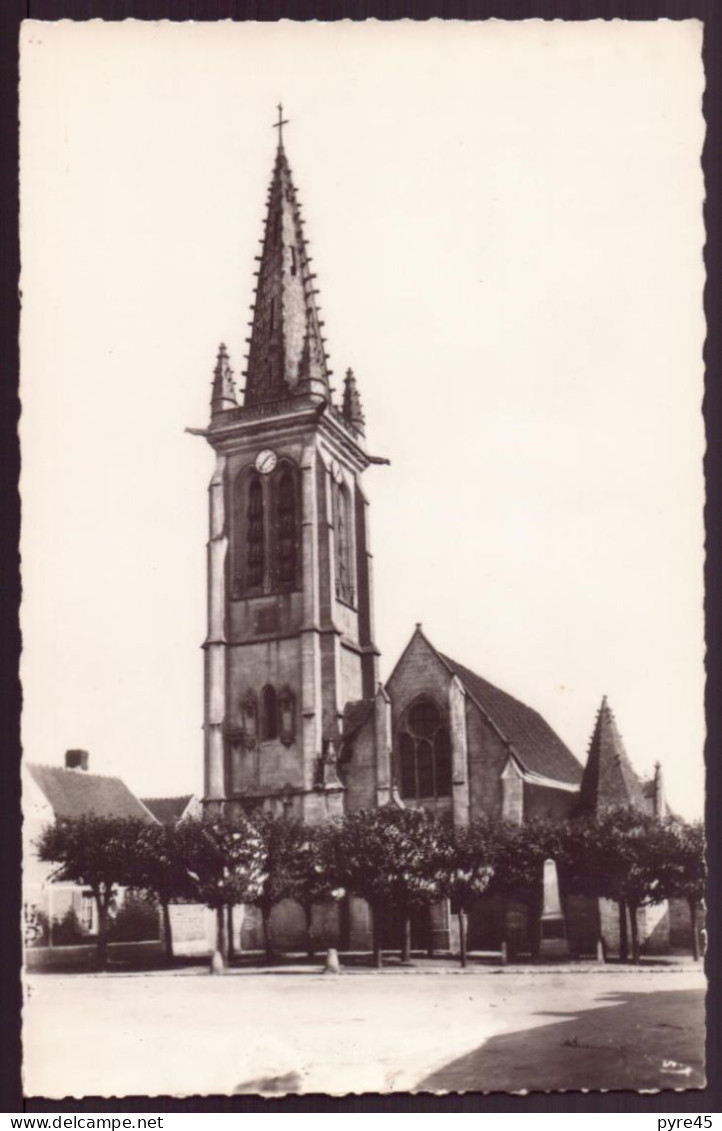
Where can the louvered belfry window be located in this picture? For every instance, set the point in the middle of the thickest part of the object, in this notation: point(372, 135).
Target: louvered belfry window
point(344, 559)
point(255, 535)
point(266, 531)
point(424, 747)
point(287, 535)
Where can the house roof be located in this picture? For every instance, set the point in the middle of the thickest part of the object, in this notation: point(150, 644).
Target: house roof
point(532, 741)
point(355, 714)
point(609, 779)
point(167, 810)
point(76, 793)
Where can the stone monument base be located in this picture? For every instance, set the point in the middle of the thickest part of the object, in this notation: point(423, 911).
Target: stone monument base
point(554, 948)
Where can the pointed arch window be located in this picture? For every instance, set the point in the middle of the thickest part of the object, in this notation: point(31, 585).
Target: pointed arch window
point(255, 534)
point(249, 717)
point(286, 548)
point(269, 713)
point(424, 758)
point(266, 531)
point(344, 544)
point(286, 716)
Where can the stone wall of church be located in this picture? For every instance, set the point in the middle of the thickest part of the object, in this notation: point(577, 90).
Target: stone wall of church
point(269, 764)
point(542, 801)
point(487, 758)
point(288, 927)
point(360, 772)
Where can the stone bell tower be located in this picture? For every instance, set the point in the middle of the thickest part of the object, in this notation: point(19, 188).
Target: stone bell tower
point(290, 637)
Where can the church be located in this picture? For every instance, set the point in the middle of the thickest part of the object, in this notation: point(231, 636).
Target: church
point(296, 720)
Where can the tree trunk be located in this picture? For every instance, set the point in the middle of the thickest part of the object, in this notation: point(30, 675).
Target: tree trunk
point(430, 937)
point(167, 932)
point(462, 917)
point(635, 931)
point(267, 934)
point(623, 939)
point(102, 901)
point(378, 958)
point(308, 915)
point(405, 935)
point(693, 917)
point(220, 956)
point(229, 928)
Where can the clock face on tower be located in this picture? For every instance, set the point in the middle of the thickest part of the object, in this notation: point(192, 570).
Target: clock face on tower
point(266, 461)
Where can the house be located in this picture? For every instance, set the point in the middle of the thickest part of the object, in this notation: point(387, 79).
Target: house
point(55, 912)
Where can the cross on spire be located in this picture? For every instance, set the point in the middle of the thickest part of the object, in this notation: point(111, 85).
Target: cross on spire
point(280, 124)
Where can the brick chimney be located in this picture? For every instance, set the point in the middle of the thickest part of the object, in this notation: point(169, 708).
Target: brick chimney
point(76, 759)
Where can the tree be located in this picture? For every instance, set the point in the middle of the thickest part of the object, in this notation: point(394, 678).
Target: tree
point(281, 851)
point(468, 852)
point(224, 859)
point(391, 857)
point(622, 855)
point(158, 865)
point(683, 871)
point(314, 874)
point(97, 853)
point(519, 852)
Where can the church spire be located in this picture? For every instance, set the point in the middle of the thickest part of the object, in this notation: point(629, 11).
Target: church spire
point(609, 779)
point(224, 387)
point(286, 351)
point(353, 413)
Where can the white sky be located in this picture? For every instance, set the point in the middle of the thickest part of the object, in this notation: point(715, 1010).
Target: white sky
point(506, 223)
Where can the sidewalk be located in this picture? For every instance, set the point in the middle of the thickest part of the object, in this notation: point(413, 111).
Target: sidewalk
point(356, 963)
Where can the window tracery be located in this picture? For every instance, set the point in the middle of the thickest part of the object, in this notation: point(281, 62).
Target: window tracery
point(343, 541)
point(255, 534)
point(287, 534)
point(266, 531)
point(424, 745)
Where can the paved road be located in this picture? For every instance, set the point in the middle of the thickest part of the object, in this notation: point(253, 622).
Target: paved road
point(189, 1033)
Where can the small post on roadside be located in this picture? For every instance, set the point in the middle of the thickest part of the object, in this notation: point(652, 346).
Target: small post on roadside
point(332, 964)
point(503, 955)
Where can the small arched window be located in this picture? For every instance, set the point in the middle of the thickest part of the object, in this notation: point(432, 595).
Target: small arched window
point(344, 559)
point(249, 719)
point(269, 713)
point(286, 716)
point(424, 749)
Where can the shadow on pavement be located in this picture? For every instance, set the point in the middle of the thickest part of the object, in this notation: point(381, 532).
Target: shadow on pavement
point(643, 1041)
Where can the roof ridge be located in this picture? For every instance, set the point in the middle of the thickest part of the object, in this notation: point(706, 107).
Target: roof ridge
point(170, 797)
point(76, 772)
